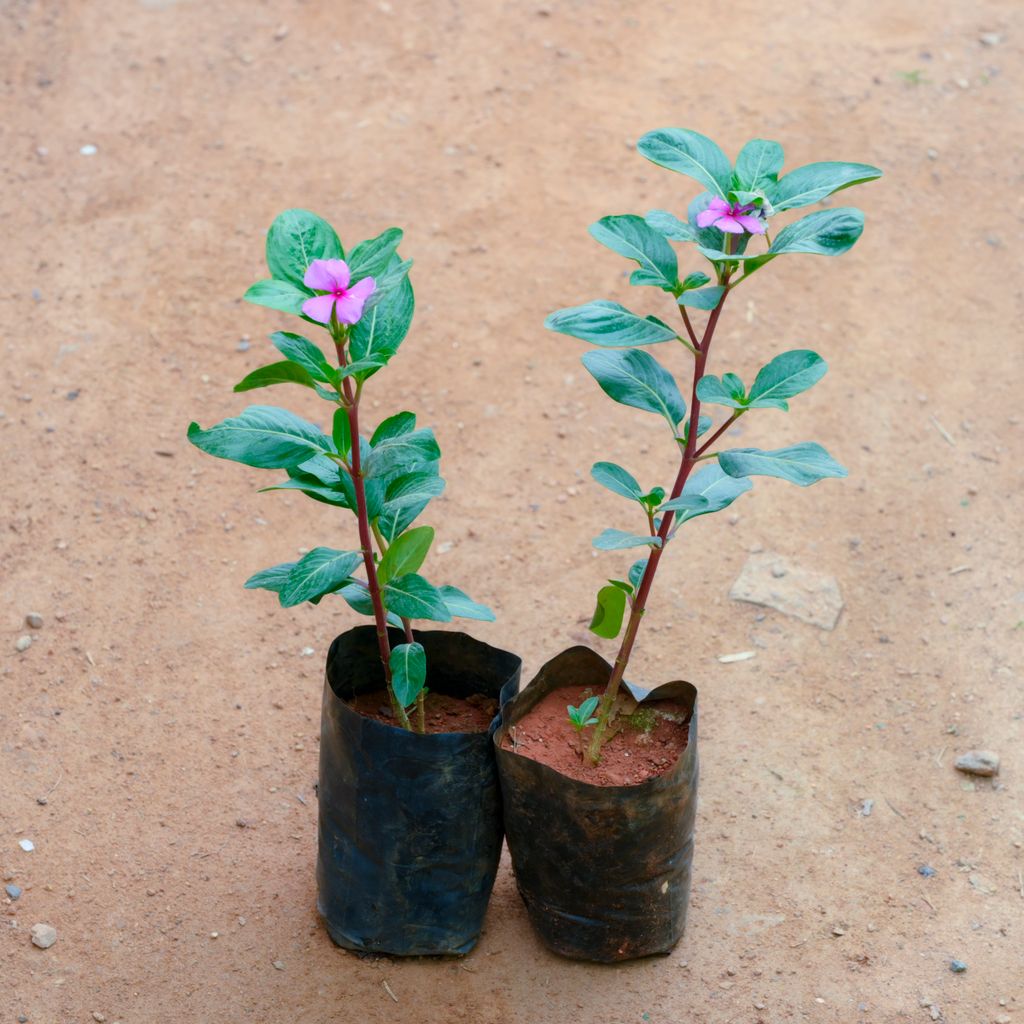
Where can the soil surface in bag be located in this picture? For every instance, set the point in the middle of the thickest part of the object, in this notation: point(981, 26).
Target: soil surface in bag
point(648, 741)
point(410, 826)
point(442, 713)
point(604, 870)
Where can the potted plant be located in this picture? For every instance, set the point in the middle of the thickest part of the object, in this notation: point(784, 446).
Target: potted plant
point(409, 805)
point(599, 777)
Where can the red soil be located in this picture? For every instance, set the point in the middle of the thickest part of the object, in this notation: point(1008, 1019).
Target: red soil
point(444, 714)
point(633, 755)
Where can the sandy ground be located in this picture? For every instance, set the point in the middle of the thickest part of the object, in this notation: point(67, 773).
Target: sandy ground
point(161, 703)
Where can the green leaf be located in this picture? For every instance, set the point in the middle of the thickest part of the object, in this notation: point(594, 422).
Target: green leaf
point(362, 369)
point(824, 233)
point(611, 606)
point(273, 579)
point(758, 164)
point(394, 426)
point(338, 492)
point(320, 571)
point(689, 153)
point(295, 239)
point(785, 376)
point(406, 497)
point(414, 488)
point(669, 225)
point(582, 716)
point(728, 391)
point(636, 572)
point(280, 295)
point(462, 606)
point(262, 436)
point(695, 503)
point(630, 236)
point(616, 540)
point(814, 182)
point(408, 672)
point(802, 464)
point(412, 597)
point(284, 372)
point(718, 489)
point(306, 354)
point(357, 597)
point(397, 272)
point(341, 432)
point(403, 452)
point(695, 280)
point(609, 324)
point(617, 480)
point(756, 259)
point(373, 257)
point(703, 426)
point(406, 554)
point(385, 323)
point(637, 379)
point(653, 498)
point(702, 298)
point(743, 198)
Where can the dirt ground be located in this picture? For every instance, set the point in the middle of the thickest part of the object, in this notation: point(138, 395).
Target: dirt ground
point(160, 704)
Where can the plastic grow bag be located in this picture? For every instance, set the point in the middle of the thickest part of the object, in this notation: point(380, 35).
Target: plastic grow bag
point(410, 825)
point(604, 871)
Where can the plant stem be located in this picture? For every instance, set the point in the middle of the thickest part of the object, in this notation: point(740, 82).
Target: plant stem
point(719, 432)
point(689, 328)
point(687, 463)
point(365, 540)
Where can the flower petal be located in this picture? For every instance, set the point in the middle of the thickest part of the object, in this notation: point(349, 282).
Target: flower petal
point(707, 217)
point(719, 205)
point(350, 306)
point(363, 289)
point(754, 225)
point(729, 224)
point(327, 275)
point(319, 308)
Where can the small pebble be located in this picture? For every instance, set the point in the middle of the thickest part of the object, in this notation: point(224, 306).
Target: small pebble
point(926, 871)
point(244, 345)
point(88, 150)
point(279, 965)
point(978, 762)
point(34, 620)
point(98, 1017)
point(990, 38)
point(957, 966)
point(23, 643)
point(307, 652)
point(27, 845)
point(43, 935)
point(13, 891)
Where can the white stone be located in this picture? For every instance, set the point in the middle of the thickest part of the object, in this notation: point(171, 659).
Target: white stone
point(769, 580)
point(43, 935)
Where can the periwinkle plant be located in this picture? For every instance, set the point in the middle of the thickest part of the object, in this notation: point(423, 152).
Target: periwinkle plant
point(739, 205)
point(365, 303)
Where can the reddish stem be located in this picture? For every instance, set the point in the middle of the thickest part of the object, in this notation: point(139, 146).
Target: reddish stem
point(686, 465)
point(365, 541)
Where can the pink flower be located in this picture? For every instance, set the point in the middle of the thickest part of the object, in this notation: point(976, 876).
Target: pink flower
point(732, 218)
point(332, 277)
